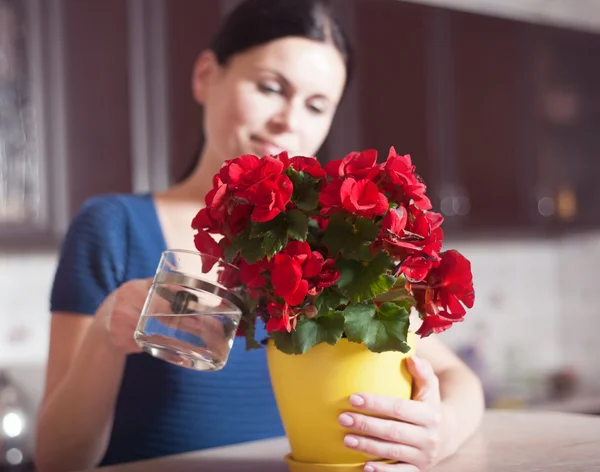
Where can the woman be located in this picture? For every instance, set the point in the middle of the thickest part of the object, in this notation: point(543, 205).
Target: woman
point(271, 80)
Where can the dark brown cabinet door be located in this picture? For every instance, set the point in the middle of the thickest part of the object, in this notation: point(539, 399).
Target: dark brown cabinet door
point(391, 71)
point(566, 71)
point(97, 102)
point(487, 123)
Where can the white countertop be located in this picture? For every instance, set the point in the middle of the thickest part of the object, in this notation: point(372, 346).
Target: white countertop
point(507, 441)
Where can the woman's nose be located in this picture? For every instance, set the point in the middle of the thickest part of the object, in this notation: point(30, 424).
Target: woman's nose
point(286, 120)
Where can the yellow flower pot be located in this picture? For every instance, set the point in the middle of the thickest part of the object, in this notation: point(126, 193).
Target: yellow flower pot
point(312, 390)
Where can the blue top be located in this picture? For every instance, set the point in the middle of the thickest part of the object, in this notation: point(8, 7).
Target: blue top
point(161, 408)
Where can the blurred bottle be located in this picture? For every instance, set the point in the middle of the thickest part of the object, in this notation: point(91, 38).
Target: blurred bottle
point(16, 427)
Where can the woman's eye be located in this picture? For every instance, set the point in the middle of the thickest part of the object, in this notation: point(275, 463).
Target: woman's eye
point(317, 109)
point(269, 88)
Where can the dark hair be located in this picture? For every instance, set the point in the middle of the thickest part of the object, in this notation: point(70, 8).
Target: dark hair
point(256, 22)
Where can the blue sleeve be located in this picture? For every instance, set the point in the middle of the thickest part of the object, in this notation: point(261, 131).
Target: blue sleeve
point(93, 257)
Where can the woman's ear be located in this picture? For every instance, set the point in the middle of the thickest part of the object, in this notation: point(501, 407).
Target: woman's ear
point(204, 69)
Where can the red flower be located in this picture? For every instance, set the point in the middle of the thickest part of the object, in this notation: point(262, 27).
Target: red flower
point(330, 197)
point(281, 318)
point(298, 250)
point(447, 289)
point(237, 172)
point(393, 224)
point(327, 276)
point(332, 168)
point(360, 165)
point(401, 172)
point(205, 220)
point(433, 324)
point(268, 169)
point(206, 244)
point(284, 158)
point(321, 222)
point(363, 198)
point(313, 265)
point(239, 219)
point(428, 226)
point(228, 276)
point(244, 175)
point(416, 234)
point(415, 268)
point(217, 200)
point(453, 283)
point(286, 277)
point(271, 197)
point(250, 190)
point(317, 273)
point(251, 274)
point(308, 165)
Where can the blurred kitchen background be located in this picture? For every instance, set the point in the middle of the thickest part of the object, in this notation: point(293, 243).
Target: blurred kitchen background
point(497, 101)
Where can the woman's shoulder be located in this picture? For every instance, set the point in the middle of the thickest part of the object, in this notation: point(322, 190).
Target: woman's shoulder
point(103, 223)
point(114, 205)
point(100, 250)
point(110, 214)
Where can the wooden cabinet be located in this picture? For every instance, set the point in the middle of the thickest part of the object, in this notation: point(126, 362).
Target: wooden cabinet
point(391, 71)
point(565, 67)
point(73, 70)
point(104, 102)
point(501, 117)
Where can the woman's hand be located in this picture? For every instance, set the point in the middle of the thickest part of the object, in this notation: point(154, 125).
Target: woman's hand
point(118, 315)
point(412, 433)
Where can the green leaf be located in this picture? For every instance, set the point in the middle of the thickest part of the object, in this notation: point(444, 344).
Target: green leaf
point(309, 332)
point(259, 230)
point(297, 225)
point(352, 240)
point(273, 238)
point(305, 194)
point(233, 249)
point(273, 242)
point(366, 229)
point(380, 329)
point(397, 293)
point(242, 243)
point(329, 299)
point(363, 281)
point(253, 253)
point(275, 233)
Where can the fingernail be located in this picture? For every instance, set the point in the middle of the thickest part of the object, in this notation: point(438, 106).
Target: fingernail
point(417, 361)
point(357, 400)
point(369, 468)
point(345, 420)
point(350, 441)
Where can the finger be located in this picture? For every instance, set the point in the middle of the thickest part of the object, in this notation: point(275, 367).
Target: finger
point(387, 430)
point(384, 449)
point(402, 409)
point(143, 285)
point(383, 467)
point(426, 383)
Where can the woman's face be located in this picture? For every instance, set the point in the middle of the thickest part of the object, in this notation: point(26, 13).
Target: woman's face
point(274, 97)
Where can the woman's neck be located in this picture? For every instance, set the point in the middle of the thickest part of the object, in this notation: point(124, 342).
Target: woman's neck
point(195, 187)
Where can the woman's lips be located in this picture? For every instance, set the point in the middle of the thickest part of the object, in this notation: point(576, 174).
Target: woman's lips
point(266, 147)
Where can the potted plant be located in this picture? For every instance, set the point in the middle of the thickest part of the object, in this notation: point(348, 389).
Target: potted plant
point(334, 260)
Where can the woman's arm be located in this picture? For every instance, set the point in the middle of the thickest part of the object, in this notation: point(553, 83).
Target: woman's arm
point(445, 409)
point(85, 369)
point(82, 381)
point(460, 391)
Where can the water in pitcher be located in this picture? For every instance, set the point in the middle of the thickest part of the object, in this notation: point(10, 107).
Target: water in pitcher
point(187, 327)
